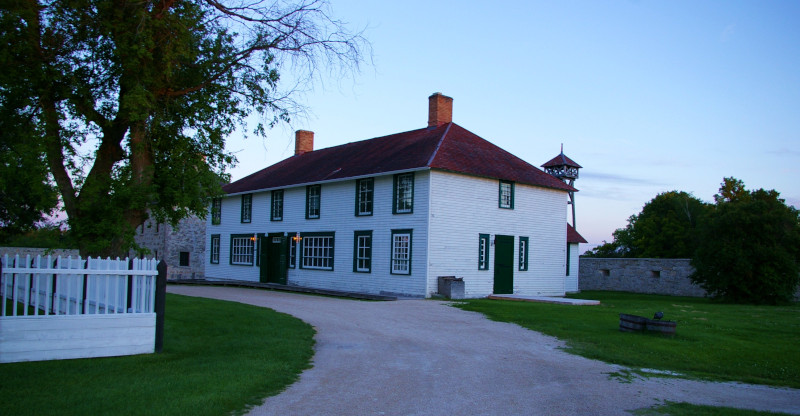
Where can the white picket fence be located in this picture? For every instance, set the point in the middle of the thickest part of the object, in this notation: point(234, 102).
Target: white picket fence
point(57, 307)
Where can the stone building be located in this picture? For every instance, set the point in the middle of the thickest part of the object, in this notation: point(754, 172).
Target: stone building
point(182, 247)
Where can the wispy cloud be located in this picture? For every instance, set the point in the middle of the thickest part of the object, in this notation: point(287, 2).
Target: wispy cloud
point(611, 178)
point(784, 152)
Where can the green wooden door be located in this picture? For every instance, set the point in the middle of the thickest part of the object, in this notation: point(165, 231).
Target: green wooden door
point(503, 264)
point(273, 258)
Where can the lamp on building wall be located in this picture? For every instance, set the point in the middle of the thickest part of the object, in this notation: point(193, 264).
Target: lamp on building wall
point(297, 237)
point(253, 238)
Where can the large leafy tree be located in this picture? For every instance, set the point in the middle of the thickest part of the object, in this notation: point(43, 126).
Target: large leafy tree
point(666, 228)
point(132, 100)
point(750, 247)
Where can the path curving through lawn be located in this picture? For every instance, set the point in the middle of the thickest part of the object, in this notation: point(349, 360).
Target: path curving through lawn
point(422, 357)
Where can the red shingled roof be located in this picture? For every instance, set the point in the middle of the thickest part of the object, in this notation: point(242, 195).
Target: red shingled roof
point(447, 147)
point(573, 236)
point(561, 159)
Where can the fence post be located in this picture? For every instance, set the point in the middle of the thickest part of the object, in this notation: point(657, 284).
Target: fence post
point(161, 300)
point(129, 291)
point(86, 289)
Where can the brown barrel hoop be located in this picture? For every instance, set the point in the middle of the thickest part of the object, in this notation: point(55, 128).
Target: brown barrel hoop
point(632, 323)
point(662, 327)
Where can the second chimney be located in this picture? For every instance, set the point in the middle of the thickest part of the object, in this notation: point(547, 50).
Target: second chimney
point(303, 142)
point(440, 110)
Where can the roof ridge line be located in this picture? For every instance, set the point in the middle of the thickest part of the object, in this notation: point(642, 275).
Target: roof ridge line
point(438, 145)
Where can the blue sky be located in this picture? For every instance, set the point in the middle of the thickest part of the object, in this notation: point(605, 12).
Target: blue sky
point(648, 96)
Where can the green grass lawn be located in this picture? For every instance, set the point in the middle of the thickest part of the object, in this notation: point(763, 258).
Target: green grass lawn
point(752, 344)
point(219, 357)
point(686, 409)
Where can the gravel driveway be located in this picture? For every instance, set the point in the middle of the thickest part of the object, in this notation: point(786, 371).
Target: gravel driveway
point(422, 357)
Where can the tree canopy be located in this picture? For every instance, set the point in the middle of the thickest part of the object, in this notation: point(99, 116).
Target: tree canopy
point(131, 101)
point(750, 247)
point(666, 228)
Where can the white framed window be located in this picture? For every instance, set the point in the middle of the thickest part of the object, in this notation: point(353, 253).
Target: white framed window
point(364, 193)
point(483, 252)
point(362, 251)
point(401, 252)
point(247, 208)
point(293, 239)
point(506, 195)
point(403, 193)
point(276, 211)
point(313, 196)
point(243, 249)
point(317, 251)
point(215, 248)
point(216, 211)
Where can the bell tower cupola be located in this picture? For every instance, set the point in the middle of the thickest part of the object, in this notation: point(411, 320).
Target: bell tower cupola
point(564, 169)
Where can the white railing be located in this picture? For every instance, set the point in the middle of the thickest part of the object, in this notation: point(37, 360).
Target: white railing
point(75, 286)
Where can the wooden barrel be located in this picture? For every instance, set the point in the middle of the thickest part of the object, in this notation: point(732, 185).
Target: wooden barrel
point(631, 323)
point(662, 327)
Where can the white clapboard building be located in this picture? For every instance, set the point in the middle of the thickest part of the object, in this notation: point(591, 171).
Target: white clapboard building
point(390, 215)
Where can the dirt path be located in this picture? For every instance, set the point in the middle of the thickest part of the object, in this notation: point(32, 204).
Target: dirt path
point(421, 357)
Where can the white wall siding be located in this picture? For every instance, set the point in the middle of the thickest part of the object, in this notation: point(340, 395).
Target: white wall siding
point(571, 282)
point(337, 214)
point(462, 207)
point(58, 337)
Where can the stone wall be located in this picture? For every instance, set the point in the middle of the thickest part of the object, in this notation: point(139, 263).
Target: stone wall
point(167, 243)
point(656, 276)
point(33, 252)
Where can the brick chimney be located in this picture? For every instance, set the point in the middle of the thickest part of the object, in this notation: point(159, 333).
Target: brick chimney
point(440, 110)
point(303, 142)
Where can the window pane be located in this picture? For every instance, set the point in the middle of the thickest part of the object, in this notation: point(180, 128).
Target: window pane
point(401, 253)
point(247, 207)
point(216, 211)
point(276, 213)
point(404, 193)
point(312, 201)
point(364, 196)
point(242, 250)
point(215, 249)
point(363, 253)
point(318, 252)
point(506, 195)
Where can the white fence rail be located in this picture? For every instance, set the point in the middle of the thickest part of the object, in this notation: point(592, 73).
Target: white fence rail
point(76, 286)
point(64, 307)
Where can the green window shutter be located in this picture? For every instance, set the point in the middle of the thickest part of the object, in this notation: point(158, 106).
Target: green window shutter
point(483, 252)
point(523, 253)
point(568, 259)
point(292, 247)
